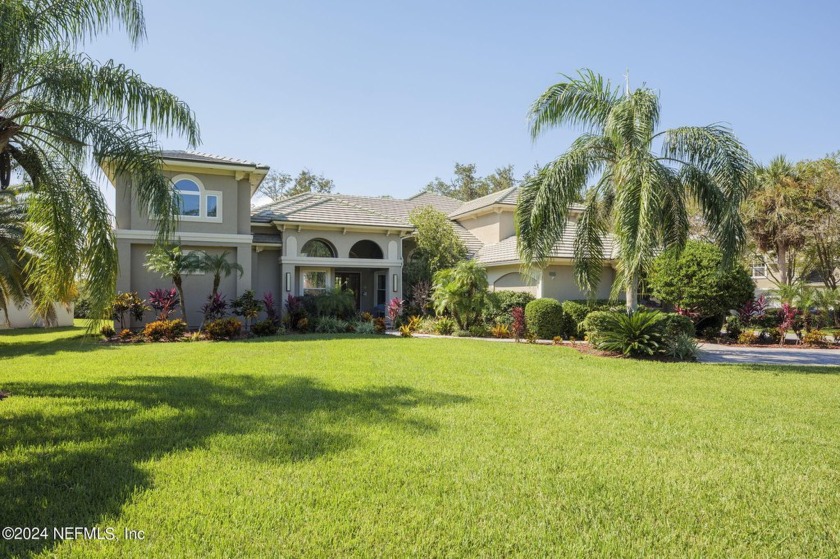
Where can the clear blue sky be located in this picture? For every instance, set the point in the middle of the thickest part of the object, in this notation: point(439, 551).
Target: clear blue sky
point(384, 96)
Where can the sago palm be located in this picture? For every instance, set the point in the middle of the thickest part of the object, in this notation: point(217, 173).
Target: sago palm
point(219, 265)
point(63, 114)
point(172, 262)
point(635, 181)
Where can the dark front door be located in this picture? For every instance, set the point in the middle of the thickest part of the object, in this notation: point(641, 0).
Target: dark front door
point(350, 281)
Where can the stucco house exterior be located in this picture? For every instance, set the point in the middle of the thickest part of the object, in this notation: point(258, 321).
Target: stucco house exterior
point(311, 242)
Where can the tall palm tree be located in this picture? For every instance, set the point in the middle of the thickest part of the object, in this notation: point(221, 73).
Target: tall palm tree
point(12, 227)
point(62, 114)
point(637, 194)
point(172, 262)
point(218, 265)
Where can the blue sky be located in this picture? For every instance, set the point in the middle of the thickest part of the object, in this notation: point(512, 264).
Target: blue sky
point(384, 96)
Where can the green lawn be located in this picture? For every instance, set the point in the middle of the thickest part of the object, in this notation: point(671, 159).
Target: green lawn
point(350, 446)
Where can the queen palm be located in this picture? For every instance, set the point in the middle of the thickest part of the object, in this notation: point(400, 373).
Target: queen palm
point(63, 114)
point(630, 189)
point(219, 265)
point(172, 262)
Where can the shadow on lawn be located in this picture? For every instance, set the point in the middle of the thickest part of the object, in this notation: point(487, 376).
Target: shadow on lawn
point(78, 460)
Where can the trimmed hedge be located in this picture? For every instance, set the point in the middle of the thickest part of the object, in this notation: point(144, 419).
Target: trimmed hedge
point(575, 312)
point(544, 317)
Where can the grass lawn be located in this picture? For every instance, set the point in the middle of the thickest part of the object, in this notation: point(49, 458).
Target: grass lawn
point(350, 446)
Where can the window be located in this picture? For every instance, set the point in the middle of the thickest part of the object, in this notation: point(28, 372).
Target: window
point(365, 249)
point(314, 282)
point(318, 248)
point(381, 290)
point(189, 197)
point(758, 270)
point(212, 205)
point(194, 202)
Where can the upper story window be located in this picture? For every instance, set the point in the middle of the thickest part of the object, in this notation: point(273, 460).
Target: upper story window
point(365, 249)
point(758, 270)
point(195, 203)
point(318, 248)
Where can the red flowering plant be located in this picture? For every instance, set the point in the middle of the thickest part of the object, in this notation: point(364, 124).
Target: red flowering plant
point(164, 301)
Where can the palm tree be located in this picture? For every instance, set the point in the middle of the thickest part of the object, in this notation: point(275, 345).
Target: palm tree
point(62, 113)
point(218, 264)
point(636, 194)
point(12, 227)
point(172, 262)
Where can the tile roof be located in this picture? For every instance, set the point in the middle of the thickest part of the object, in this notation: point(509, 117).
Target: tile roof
point(268, 239)
point(199, 157)
point(335, 209)
point(506, 250)
point(507, 196)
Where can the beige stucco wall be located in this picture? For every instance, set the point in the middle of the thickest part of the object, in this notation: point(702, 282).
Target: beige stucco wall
point(510, 278)
point(266, 273)
point(562, 286)
point(490, 227)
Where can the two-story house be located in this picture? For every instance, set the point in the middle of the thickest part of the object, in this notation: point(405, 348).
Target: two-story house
point(311, 242)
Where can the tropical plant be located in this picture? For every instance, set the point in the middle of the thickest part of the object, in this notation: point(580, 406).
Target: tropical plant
point(445, 326)
point(639, 196)
point(164, 301)
point(271, 312)
point(130, 303)
point(395, 308)
point(62, 112)
point(265, 327)
point(219, 265)
point(223, 329)
point(500, 330)
point(12, 264)
point(634, 333)
point(337, 302)
point(172, 262)
point(331, 325)
point(215, 308)
point(461, 291)
point(682, 347)
point(828, 303)
point(815, 338)
point(406, 331)
point(517, 324)
point(247, 306)
point(171, 330)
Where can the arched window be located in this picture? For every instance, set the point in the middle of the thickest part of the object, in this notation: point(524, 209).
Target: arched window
point(195, 203)
point(366, 249)
point(318, 248)
point(189, 197)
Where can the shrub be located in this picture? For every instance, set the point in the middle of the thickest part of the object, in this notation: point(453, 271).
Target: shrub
point(295, 310)
point(595, 322)
point(414, 323)
point(265, 327)
point(478, 330)
point(633, 334)
point(695, 281)
point(366, 317)
point(336, 303)
point(545, 318)
point(575, 312)
point(130, 303)
point(406, 331)
point(748, 337)
point(215, 308)
point(517, 323)
point(710, 332)
point(734, 326)
point(247, 306)
point(223, 329)
point(427, 325)
point(501, 303)
point(126, 334)
point(107, 331)
point(557, 340)
point(330, 325)
point(674, 325)
point(165, 330)
point(445, 326)
point(395, 309)
point(271, 312)
point(379, 325)
point(772, 336)
point(364, 327)
point(815, 338)
point(302, 325)
point(164, 301)
point(682, 347)
point(499, 330)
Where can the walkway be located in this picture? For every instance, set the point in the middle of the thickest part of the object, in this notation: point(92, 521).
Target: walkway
point(767, 355)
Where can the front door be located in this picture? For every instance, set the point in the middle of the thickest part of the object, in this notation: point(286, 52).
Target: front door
point(350, 281)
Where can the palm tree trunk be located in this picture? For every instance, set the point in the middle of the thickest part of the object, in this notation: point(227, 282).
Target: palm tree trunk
point(781, 262)
point(632, 292)
point(216, 279)
point(177, 282)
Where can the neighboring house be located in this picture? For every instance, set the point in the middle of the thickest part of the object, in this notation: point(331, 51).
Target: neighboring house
point(311, 242)
point(764, 274)
point(23, 317)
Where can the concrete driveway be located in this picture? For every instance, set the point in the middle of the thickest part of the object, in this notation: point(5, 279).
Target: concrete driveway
point(767, 355)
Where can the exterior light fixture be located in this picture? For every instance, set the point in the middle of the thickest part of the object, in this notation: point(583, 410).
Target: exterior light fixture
point(394, 282)
point(288, 281)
